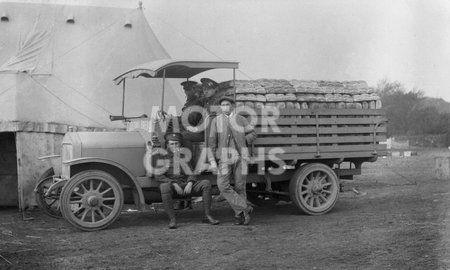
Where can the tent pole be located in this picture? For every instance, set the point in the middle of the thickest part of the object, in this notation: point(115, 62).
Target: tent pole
point(164, 85)
point(123, 97)
point(234, 83)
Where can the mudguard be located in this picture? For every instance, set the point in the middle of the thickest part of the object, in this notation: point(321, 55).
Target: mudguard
point(58, 184)
point(141, 200)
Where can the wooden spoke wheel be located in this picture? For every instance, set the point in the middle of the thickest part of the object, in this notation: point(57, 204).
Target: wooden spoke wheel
point(314, 189)
point(91, 200)
point(50, 203)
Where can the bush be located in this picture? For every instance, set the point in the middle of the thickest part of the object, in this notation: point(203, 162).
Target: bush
point(407, 113)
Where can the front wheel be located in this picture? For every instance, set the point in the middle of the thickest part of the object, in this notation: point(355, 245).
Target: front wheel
point(314, 189)
point(50, 203)
point(91, 200)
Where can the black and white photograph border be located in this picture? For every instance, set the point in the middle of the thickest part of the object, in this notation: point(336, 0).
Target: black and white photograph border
point(337, 121)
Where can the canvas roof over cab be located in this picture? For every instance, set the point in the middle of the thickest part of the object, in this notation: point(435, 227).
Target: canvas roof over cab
point(174, 68)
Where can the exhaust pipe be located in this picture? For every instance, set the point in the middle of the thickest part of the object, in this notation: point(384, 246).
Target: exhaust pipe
point(116, 117)
point(121, 117)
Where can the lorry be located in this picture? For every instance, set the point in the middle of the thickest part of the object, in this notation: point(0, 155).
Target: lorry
point(299, 155)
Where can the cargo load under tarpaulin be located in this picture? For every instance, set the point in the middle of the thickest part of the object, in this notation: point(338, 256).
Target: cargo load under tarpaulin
point(302, 94)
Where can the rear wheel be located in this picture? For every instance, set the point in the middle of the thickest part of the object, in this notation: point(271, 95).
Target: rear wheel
point(314, 189)
point(50, 203)
point(91, 200)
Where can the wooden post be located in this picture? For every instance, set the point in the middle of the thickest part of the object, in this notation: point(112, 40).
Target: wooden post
point(234, 84)
point(20, 173)
point(442, 167)
point(163, 90)
point(123, 98)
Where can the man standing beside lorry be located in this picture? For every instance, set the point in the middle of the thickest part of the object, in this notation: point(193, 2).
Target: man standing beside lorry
point(229, 138)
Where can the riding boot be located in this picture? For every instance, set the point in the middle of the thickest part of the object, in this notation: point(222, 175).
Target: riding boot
point(207, 208)
point(246, 215)
point(178, 205)
point(188, 204)
point(168, 207)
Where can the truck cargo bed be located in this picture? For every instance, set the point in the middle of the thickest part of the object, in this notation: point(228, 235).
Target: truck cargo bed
point(320, 134)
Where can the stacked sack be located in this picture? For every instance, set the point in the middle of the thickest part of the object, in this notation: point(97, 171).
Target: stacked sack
point(249, 93)
point(302, 94)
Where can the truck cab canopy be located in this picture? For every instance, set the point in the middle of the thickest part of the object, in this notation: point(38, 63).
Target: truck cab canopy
point(174, 68)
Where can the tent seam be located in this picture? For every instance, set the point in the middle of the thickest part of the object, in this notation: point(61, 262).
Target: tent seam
point(60, 99)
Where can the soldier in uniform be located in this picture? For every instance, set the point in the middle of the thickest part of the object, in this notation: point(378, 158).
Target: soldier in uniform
point(229, 143)
point(192, 92)
point(192, 114)
point(175, 182)
point(210, 89)
point(195, 131)
point(207, 89)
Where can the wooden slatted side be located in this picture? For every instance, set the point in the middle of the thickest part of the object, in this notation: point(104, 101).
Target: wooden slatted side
point(282, 121)
point(327, 155)
point(264, 131)
point(321, 134)
point(303, 112)
point(323, 149)
point(312, 140)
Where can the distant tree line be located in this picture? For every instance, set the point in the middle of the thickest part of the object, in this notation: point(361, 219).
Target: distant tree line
point(408, 114)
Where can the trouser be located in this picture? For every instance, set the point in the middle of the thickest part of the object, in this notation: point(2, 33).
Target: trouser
point(237, 197)
point(199, 188)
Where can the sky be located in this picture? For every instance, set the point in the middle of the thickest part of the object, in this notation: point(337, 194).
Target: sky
point(405, 41)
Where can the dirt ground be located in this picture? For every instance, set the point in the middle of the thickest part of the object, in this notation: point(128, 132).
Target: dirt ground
point(399, 220)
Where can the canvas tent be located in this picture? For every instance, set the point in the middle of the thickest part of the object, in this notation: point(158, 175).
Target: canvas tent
point(57, 62)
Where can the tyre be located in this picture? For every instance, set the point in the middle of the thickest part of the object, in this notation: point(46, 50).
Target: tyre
point(91, 200)
point(314, 189)
point(49, 204)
